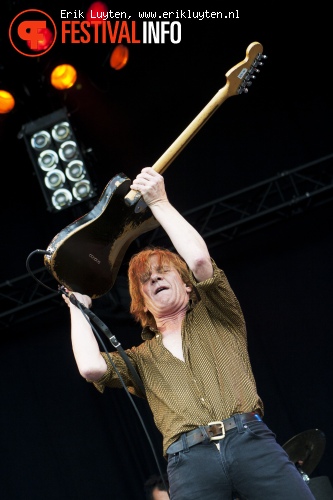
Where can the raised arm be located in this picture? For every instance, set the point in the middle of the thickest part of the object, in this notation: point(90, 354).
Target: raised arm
point(186, 240)
point(89, 360)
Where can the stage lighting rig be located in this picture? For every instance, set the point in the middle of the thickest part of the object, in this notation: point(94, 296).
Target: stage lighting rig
point(59, 163)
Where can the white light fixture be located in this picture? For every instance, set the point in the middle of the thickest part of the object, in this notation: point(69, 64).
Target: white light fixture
point(68, 151)
point(58, 160)
point(82, 189)
point(54, 179)
point(62, 198)
point(75, 170)
point(48, 159)
point(40, 140)
point(61, 131)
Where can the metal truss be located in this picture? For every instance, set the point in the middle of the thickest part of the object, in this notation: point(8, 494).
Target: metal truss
point(220, 221)
point(278, 198)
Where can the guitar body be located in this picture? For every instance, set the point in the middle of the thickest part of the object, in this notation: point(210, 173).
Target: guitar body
point(86, 255)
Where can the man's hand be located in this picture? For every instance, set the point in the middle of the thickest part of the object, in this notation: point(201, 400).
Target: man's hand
point(151, 186)
point(84, 299)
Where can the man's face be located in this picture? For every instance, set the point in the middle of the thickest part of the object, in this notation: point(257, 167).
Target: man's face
point(163, 290)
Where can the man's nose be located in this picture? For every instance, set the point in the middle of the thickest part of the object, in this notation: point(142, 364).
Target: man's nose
point(155, 277)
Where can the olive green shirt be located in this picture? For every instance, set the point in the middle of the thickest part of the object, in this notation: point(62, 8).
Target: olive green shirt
point(214, 382)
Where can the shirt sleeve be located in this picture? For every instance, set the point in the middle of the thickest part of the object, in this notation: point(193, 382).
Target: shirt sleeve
point(219, 298)
point(117, 374)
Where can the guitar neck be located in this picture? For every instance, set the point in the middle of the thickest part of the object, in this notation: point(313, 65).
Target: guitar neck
point(179, 144)
point(238, 78)
point(185, 137)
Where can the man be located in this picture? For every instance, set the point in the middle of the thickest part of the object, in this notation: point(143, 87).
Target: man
point(195, 368)
point(156, 487)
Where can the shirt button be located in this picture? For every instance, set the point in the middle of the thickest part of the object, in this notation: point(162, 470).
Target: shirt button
point(202, 399)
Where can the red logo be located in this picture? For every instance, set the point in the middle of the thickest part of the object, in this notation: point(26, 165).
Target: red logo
point(32, 33)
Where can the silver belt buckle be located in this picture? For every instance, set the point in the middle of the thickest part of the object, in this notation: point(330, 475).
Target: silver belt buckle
point(217, 438)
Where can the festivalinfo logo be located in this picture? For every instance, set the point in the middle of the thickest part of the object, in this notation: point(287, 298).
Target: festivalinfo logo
point(33, 32)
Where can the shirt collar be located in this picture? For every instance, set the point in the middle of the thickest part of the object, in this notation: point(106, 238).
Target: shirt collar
point(149, 332)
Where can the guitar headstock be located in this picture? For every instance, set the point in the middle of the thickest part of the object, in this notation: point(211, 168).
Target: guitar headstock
point(241, 76)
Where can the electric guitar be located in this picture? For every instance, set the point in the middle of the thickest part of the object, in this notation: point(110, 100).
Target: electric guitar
point(86, 255)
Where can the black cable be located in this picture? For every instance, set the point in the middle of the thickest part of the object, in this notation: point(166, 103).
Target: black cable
point(95, 319)
point(88, 314)
point(43, 252)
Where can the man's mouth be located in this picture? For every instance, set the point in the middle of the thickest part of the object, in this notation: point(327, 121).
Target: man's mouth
point(160, 289)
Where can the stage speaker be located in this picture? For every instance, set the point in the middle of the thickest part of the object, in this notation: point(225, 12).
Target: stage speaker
point(321, 488)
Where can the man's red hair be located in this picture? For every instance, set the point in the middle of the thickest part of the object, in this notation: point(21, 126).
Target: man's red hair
point(139, 265)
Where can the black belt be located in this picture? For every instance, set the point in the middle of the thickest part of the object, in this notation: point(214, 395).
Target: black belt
point(214, 431)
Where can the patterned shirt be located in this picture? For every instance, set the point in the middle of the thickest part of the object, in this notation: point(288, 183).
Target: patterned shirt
point(214, 381)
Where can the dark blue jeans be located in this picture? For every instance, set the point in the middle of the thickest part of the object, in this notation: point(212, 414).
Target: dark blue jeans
point(249, 465)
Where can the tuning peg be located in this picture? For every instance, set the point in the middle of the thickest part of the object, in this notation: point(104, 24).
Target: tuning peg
point(249, 76)
point(261, 56)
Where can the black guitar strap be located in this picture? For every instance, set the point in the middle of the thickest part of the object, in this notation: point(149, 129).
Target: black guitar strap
point(116, 344)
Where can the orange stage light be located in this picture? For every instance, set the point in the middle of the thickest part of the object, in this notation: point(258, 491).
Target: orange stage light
point(7, 102)
point(63, 76)
point(97, 12)
point(119, 57)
